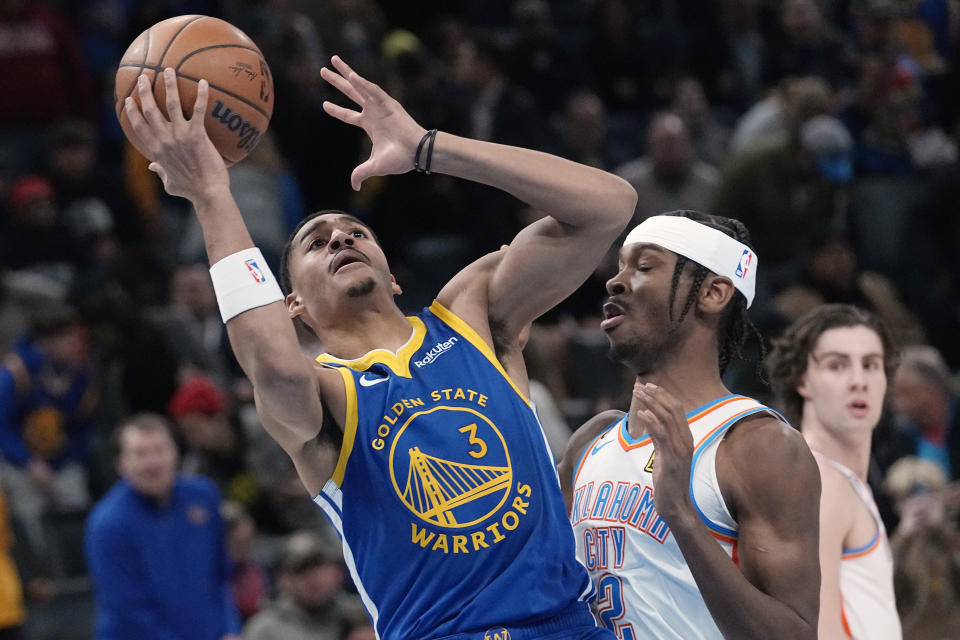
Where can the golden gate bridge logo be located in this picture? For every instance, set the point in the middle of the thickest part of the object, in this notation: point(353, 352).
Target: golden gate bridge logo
point(436, 487)
point(454, 493)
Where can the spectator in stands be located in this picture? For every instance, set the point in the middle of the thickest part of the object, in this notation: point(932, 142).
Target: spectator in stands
point(707, 136)
point(45, 76)
point(155, 545)
point(248, 578)
point(783, 111)
point(830, 274)
point(785, 188)
point(192, 324)
point(927, 566)
point(34, 235)
point(215, 444)
point(806, 44)
point(497, 109)
point(312, 604)
point(669, 177)
point(582, 129)
point(928, 409)
point(542, 60)
point(47, 394)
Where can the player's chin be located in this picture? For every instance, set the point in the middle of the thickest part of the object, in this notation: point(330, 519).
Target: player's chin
point(363, 288)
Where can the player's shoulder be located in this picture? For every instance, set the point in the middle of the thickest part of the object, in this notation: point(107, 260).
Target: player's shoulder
point(588, 431)
point(471, 281)
point(763, 466)
point(772, 447)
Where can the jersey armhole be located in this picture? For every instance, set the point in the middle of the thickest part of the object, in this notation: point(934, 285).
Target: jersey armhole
point(349, 425)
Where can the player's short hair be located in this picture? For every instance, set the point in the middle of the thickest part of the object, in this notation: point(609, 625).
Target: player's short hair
point(787, 361)
point(285, 284)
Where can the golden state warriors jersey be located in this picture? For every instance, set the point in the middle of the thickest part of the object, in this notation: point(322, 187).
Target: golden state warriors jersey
point(866, 575)
point(445, 493)
point(644, 586)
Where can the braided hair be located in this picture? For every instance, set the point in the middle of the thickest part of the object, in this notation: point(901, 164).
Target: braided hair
point(735, 323)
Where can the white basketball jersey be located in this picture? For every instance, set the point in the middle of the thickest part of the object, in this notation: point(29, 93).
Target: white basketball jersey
point(644, 586)
point(866, 576)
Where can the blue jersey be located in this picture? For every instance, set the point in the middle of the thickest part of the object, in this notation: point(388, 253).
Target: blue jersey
point(445, 492)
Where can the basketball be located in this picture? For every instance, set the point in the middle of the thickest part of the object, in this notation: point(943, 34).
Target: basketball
point(241, 87)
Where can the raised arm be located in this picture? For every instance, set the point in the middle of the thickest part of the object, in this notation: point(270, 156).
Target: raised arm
point(585, 208)
point(286, 384)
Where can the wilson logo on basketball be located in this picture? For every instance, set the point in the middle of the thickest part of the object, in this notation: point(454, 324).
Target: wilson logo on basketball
point(247, 134)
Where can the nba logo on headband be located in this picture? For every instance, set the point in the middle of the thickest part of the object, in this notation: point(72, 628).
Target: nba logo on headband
point(744, 265)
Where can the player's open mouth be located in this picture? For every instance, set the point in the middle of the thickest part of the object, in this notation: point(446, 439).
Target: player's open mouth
point(612, 316)
point(345, 258)
point(859, 408)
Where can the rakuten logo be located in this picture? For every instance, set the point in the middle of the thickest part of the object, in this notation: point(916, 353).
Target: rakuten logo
point(438, 350)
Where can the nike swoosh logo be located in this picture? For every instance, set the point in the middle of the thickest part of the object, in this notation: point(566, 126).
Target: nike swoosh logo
point(364, 382)
point(600, 446)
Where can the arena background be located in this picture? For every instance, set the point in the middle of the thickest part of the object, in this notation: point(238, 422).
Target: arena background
point(829, 127)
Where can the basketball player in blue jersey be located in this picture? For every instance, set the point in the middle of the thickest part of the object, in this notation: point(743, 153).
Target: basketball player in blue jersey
point(444, 491)
point(696, 512)
point(829, 371)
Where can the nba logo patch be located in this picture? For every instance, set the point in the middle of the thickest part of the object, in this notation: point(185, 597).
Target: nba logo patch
point(744, 265)
point(255, 272)
point(496, 634)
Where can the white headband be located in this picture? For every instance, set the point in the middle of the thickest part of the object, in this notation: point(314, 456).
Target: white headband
point(706, 246)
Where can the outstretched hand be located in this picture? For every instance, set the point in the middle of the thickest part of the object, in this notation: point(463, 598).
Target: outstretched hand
point(661, 416)
point(179, 149)
point(392, 131)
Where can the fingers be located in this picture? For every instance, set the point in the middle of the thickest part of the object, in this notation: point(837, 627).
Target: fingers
point(367, 90)
point(341, 83)
point(174, 110)
point(137, 123)
point(660, 403)
point(661, 414)
point(148, 105)
point(157, 169)
point(340, 113)
point(361, 173)
point(200, 104)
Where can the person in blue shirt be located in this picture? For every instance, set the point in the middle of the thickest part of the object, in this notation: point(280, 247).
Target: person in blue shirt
point(47, 395)
point(927, 408)
point(155, 545)
point(444, 490)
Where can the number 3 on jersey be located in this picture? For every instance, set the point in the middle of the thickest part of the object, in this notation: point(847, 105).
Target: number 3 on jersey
point(471, 429)
point(610, 606)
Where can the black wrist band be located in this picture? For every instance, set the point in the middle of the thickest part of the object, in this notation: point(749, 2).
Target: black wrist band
point(430, 135)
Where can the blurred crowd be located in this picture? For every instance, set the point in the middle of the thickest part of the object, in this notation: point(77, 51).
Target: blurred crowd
point(829, 127)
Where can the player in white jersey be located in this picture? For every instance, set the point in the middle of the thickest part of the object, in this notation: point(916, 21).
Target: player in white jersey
point(829, 371)
point(696, 513)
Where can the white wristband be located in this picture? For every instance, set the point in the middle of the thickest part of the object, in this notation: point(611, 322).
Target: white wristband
point(243, 281)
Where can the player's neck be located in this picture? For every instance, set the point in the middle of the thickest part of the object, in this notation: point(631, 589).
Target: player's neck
point(367, 330)
point(690, 373)
point(692, 382)
point(851, 449)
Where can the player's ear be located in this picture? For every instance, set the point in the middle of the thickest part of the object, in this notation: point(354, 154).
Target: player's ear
point(715, 293)
point(294, 304)
point(394, 286)
point(802, 389)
